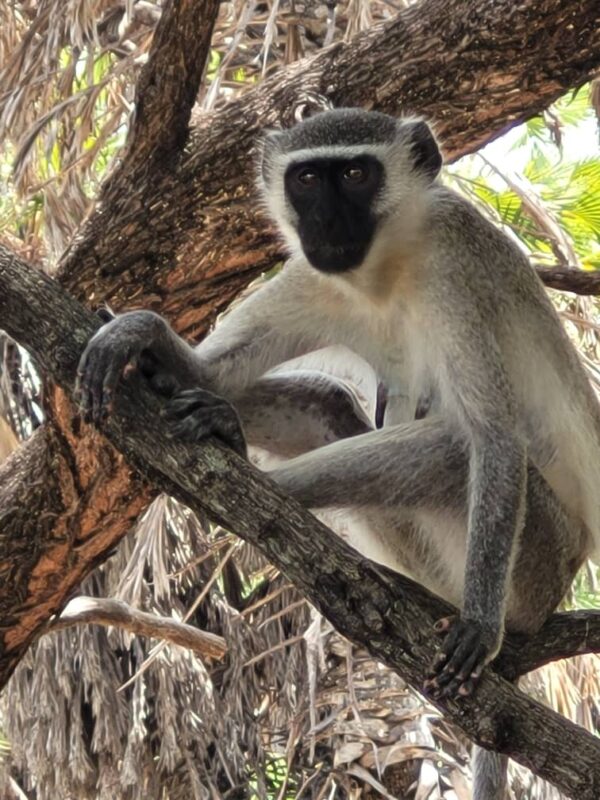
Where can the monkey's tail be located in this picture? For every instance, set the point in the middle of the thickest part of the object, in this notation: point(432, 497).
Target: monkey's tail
point(489, 775)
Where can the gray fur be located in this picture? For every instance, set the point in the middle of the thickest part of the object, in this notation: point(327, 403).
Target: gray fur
point(489, 775)
point(491, 500)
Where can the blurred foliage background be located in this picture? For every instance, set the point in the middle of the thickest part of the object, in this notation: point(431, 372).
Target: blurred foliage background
point(293, 710)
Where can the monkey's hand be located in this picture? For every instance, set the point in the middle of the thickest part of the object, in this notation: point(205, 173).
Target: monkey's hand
point(467, 648)
point(196, 414)
point(118, 345)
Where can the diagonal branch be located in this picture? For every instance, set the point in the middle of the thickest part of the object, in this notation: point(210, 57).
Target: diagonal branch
point(389, 615)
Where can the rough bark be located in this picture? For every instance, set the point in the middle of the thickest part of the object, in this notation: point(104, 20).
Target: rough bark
point(390, 616)
point(182, 236)
point(564, 635)
point(168, 85)
point(570, 280)
point(185, 242)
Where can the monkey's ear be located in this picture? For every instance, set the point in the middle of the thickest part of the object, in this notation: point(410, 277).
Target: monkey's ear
point(269, 147)
point(426, 153)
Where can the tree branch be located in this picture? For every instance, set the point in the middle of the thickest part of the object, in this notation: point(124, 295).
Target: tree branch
point(108, 611)
point(570, 280)
point(387, 614)
point(563, 635)
point(168, 84)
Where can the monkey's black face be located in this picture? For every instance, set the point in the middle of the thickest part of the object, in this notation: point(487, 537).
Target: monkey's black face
point(334, 200)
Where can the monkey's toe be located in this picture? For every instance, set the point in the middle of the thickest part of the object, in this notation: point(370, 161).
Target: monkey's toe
point(197, 414)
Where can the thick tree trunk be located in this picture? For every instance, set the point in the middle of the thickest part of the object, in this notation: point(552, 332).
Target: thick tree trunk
point(182, 235)
point(390, 616)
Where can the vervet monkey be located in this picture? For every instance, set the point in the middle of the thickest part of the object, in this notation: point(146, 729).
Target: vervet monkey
point(484, 478)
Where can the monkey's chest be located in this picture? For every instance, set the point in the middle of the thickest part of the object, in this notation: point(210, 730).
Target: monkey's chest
point(406, 367)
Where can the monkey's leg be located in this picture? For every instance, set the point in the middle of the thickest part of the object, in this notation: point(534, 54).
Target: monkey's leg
point(294, 412)
point(421, 465)
point(490, 776)
point(285, 414)
point(417, 475)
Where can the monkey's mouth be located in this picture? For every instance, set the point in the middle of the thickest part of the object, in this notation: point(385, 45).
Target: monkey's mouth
point(328, 257)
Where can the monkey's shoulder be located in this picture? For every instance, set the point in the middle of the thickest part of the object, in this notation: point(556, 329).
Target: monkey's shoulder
point(473, 255)
point(454, 223)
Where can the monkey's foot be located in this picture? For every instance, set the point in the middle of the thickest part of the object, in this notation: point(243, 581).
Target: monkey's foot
point(463, 655)
point(196, 414)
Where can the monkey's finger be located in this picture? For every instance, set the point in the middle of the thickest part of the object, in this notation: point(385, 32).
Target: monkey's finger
point(190, 400)
point(109, 385)
point(460, 686)
point(443, 625)
point(200, 426)
point(103, 384)
point(230, 432)
point(438, 662)
point(224, 424)
point(448, 647)
point(81, 371)
point(454, 677)
point(95, 390)
point(452, 685)
point(86, 399)
point(459, 654)
point(189, 429)
point(164, 384)
point(474, 661)
point(467, 688)
point(204, 408)
point(178, 410)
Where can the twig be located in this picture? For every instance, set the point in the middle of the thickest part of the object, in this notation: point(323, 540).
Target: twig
point(568, 279)
point(564, 635)
point(157, 649)
point(107, 611)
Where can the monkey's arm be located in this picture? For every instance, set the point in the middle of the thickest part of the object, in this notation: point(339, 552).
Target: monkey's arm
point(480, 398)
point(276, 323)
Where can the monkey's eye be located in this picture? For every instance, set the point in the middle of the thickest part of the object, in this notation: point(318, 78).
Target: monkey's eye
point(355, 173)
point(307, 177)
